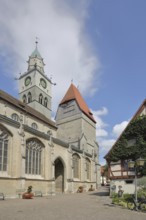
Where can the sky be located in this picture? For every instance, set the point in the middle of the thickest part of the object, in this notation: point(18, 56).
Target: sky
point(99, 45)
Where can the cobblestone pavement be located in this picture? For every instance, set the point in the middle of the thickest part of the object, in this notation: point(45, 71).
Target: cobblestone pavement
point(80, 206)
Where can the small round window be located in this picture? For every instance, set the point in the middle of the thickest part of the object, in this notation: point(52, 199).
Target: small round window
point(27, 80)
point(43, 83)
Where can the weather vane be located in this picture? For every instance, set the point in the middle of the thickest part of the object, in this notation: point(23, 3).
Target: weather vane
point(36, 41)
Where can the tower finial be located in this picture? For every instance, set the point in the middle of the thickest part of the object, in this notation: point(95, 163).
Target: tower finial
point(36, 41)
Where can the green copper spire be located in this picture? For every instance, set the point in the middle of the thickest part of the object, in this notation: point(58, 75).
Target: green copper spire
point(36, 61)
point(36, 53)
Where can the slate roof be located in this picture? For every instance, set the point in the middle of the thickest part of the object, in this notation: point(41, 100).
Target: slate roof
point(74, 94)
point(25, 108)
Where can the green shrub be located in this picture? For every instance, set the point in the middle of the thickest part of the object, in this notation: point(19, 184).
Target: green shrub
point(123, 204)
point(116, 200)
point(114, 195)
point(121, 200)
point(141, 192)
point(127, 196)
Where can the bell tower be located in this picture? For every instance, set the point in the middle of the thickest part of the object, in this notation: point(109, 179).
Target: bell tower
point(35, 86)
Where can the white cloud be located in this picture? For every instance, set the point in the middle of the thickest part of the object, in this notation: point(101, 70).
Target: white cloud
point(100, 124)
point(101, 132)
point(118, 128)
point(106, 144)
point(63, 43)
point(106, 139)
point(97, 115)
point(103, 111)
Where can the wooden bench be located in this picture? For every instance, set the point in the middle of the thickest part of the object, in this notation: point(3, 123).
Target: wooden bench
point(38, 193)
point(2, 197)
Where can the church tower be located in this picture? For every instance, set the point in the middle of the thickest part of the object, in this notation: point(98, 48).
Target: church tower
point(76, 124)
point(35, 86)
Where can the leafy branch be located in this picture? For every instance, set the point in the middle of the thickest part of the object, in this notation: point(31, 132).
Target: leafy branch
point(132, 143)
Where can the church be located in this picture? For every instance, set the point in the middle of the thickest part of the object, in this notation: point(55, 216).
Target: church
point(51, 156)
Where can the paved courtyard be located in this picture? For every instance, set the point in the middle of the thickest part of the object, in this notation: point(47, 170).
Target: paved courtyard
point(80, 206)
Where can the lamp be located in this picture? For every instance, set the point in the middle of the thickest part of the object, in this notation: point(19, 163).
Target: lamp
point(137, 165)
point(131, 164)
point(140, 162)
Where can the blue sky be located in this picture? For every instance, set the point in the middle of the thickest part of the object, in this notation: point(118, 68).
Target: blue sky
point(100, 44)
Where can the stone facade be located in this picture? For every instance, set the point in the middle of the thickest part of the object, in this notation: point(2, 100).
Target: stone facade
point(34, 151)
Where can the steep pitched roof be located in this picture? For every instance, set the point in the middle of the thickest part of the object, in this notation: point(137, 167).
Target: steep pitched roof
point(138, 112)
point(24, 107)
point(74, 94)
point(36, 53)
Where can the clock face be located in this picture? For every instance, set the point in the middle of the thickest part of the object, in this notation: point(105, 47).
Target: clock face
point(43, 83)
point(27, 80)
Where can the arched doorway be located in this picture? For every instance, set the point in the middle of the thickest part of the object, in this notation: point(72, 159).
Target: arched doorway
point(59, 176)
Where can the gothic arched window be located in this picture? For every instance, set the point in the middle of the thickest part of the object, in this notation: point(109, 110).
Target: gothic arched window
point(45, 102)
point(40, 98)
point(33, 157)
point(76, 166)
point(24, 99)
point(88, 168)
point(29, 97)
point(15, 117)
point(3, 150)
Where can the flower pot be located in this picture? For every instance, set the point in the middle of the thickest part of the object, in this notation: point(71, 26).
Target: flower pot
point(27, 195)
point(80, 189)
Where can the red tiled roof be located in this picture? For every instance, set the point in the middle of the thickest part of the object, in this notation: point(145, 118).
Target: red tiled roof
point(74, 94)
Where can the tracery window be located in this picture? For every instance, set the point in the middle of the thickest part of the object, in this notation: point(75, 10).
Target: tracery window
point(76, 166)
point(15, 117)
point(88, 168)
point(33, 157)
point(24, 99)
point(29, 97)
point(40, 98)
point(45, 102)
point(3, 150)
point(34, 126)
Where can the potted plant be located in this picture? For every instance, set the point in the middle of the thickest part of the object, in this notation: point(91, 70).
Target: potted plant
point(28, 194)
point(80, 189)
point(91, 188)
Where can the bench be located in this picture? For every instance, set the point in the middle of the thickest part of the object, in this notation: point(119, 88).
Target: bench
point(2, 197)
point(38, 194)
